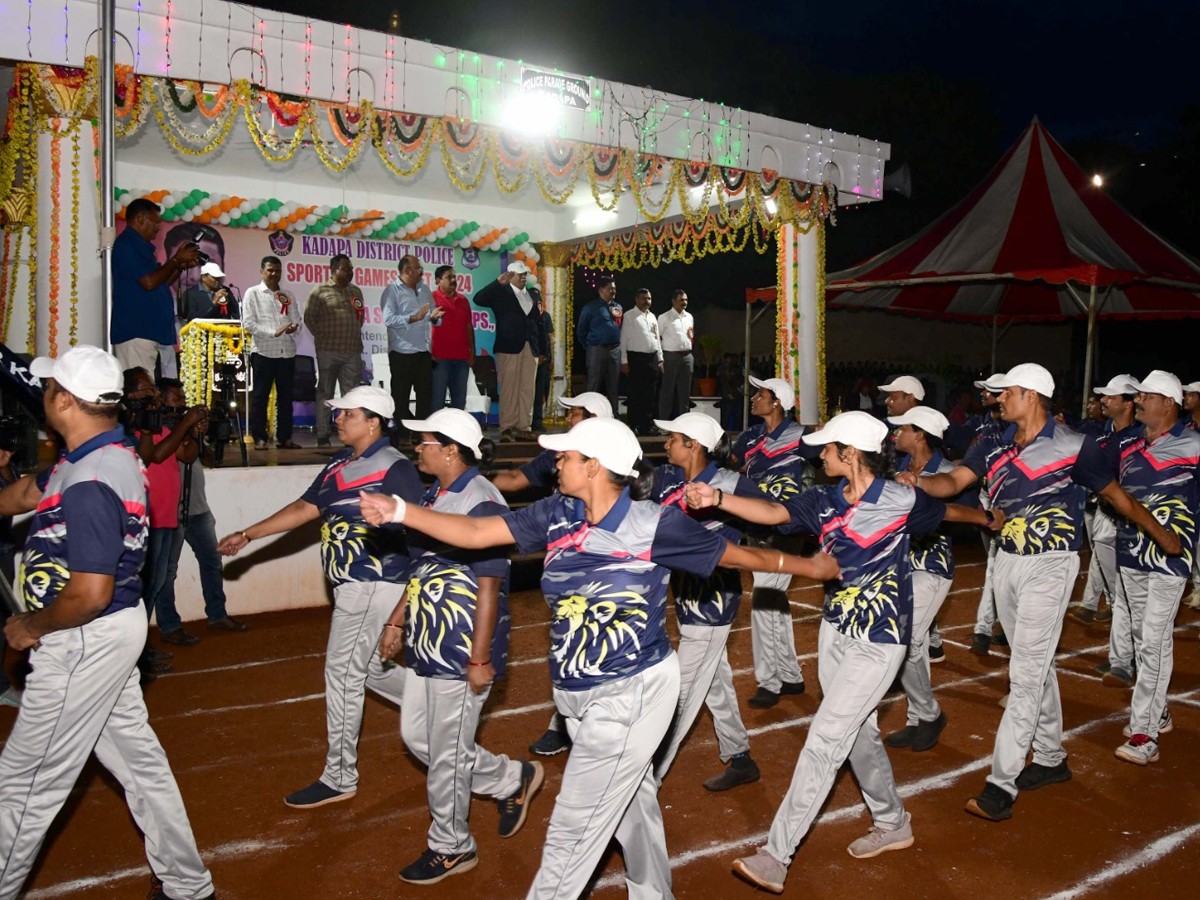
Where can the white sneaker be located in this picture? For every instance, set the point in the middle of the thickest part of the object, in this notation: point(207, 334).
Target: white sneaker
point(762, 870)
point(11, 697)
point(878, 841)
point(1165, 724)
point(1140, 750)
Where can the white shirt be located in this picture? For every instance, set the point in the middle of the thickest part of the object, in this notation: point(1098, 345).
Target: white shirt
point(524, 298)
point(673, 328)
point(639, 334)
point(263, 315)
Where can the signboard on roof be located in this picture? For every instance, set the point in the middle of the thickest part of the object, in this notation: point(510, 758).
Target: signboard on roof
point(573, 93)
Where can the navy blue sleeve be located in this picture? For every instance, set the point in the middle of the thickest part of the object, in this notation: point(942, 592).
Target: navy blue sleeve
point(976, 457)
point(685, 545)
point(747, 488)
point(491, 562)
point(95, 521)
point(926, 515)
point(402, 479)
point(541, 471)
point(1092, 468)
point(310, 496)
point(530, 526)
point(805, 510)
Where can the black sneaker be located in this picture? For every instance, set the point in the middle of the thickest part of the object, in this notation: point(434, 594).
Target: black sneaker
point(791, 688)
point(551, 743)
point(1035, 776)
point(1082, 615)
point(1104, 667)
point(928, 734)
point(514, 808)
point(902, 738)
point(937, 655)
point(764, 699)
point(316, 794)
point(733, 776)
point(433, 866)
point(981, 644)
point(1000, 640)
point(994, 804)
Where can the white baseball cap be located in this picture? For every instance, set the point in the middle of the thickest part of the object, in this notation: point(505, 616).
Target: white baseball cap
point(697, 426)
point(456, 424)
point(987, 385)
point(1118, 384)
point(366, 397)
point(211, 268)
point(607, 440)
point(856, 428)
point(1030, 376)
point(596, 404)
point(908, 384)
point(1192, 387)
point(781, 389)
point(1160, 382)
point(91, 374)
point(926, 418)
point(519, 268)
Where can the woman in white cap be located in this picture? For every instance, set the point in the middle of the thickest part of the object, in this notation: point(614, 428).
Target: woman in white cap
point(541, 473)
point(616, 679)
point(368, 568)
point(1191, 408)
point(918, 437)
point(864, 521)
point(453, 624)
point(697, 450)
point(773, 457)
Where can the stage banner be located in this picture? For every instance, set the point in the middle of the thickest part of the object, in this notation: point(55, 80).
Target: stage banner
point(305, 258)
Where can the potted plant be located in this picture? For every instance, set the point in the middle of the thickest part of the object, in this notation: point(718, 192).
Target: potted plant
point(706, 380)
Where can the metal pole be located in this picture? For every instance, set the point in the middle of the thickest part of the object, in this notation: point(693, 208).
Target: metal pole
point(994, 338)
point(108, 132)
point(745, 365)
point(1090, 353)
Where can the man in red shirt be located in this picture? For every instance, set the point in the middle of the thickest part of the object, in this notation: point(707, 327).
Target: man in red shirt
point(453, 341)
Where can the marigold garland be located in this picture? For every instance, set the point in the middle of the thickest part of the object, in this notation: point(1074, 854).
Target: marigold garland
point(55, 236)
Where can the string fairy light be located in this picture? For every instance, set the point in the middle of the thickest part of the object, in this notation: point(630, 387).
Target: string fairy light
point(137, 44)
point(308, 57)
point(168, 40)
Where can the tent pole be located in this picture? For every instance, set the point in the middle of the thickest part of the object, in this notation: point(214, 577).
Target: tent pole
point(107, 128)
point(1091, 350)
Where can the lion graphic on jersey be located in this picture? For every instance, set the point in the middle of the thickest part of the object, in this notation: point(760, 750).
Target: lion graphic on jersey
point(592, 624)
point(779, 487)
point(342, 542)
point(1173, 514)
point(857, 609)
point(1034, 530)
point(40, 578)
point(440, 602)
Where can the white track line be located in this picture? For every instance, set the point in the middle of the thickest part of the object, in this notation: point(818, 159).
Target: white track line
point(1151, 853)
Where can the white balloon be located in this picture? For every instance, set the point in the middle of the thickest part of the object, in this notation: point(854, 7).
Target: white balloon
point(223, 218)
point(410, 227)
point(273, 217)
point(263, 223)
point(494, 246)
point(310, 219)
point(187, 216)
point(245, 206)
point(205, 202)
point(335, 228)
point(474, 236)
point(442, 232)
point(167, 202)
point(464, 243)
point(299, 226)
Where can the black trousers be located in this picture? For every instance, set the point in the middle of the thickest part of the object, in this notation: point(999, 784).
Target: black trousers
point(642, 391)
point(281, 373)
point(411, 372)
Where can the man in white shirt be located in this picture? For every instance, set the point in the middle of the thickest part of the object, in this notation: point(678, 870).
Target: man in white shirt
point(641, 362)
point(271, 316)
point(676, 328)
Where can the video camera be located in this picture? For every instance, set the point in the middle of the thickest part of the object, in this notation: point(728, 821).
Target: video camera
point(224, 426)
point(143, 414)
point(202, 257)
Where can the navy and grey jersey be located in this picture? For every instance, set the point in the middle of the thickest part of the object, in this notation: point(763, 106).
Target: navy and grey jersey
point(712, 600)
point(443, 586)
point(93, 517)
point(1041, 487)
point(352, 550)
point(606, 584)
point(542, 470)
point(932, 552)
point(1162, 477)
point(872, 601)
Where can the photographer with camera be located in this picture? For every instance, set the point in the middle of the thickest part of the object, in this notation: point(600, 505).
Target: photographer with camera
point(143, 310)
point(162, 436)
point(211, 298)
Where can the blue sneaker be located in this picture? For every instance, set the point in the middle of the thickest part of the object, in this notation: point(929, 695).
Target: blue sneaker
point(316, 794)
point(434, 865)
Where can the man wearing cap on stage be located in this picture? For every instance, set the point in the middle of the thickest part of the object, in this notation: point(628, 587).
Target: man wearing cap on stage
point(86, 625)
point(210, 299)
point(1037, 473)
point(514, 304)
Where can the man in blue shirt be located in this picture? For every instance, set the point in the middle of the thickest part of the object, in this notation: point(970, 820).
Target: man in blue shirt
point(86, 626)
point(143, 311)
point(599, 332)
point(408, 313)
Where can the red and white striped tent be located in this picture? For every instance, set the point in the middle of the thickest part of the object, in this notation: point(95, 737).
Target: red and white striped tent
point(1036, 241)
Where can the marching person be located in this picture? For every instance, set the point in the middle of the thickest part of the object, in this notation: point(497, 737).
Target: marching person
point(866, 626)
point(698, 452)
point(79, 582)
point(988, 424)
point(454, 625)
point(1037, 474)
point(1158, 470)
point(772, 456)
point(1191, 419)
point(616, 679)
point(367, 567)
